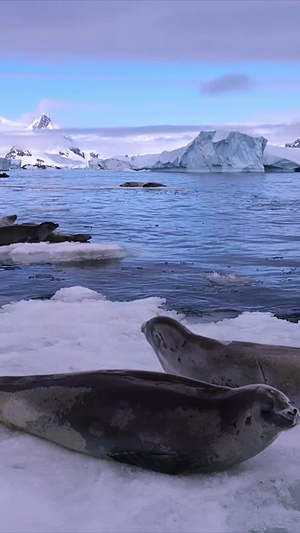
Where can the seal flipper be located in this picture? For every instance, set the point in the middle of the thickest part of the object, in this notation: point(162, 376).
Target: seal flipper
point(158, 462)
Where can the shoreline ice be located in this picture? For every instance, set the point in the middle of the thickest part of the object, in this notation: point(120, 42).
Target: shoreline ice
point(55, 489)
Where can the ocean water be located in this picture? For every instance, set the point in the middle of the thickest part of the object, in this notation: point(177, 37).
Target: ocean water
point(213, 245)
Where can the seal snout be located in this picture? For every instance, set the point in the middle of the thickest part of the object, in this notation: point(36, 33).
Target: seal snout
point(293, 414)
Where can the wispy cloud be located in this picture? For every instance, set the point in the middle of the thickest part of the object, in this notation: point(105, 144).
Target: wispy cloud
point(49, 105)
point(226, 84)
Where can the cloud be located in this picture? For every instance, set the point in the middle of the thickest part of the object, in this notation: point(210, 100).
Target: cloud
point(125, 30)
point(49, 105)
point(226, 84)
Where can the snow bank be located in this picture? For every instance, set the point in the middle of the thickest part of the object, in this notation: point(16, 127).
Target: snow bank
point(45, 488)
point(44, 252)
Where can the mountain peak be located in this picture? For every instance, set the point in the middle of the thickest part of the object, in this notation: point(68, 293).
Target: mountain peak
point(43, 122)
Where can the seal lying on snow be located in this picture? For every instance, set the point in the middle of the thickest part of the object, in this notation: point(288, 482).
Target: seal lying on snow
point(8, 221)
point(153, 420)
point(232, 364)
point(24, 233)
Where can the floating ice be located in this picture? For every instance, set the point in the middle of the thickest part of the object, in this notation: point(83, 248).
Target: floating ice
point(227, 279)
point(210, 151)
point(64, 252)
point(281, 159)
point(56, 490)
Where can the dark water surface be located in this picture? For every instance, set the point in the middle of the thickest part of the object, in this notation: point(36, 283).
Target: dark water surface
point(211, 244)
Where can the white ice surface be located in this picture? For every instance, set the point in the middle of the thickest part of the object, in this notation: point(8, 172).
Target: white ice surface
point(43, 252)
point(45, 488)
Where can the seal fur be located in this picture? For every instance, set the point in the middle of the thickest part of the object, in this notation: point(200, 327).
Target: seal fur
point(26, 233)
point(153, 420)
point(233, 364)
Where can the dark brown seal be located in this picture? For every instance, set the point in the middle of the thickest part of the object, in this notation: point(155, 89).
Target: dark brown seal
point(152, 420)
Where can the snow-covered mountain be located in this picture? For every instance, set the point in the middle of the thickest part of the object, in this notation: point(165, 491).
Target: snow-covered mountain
point(43, 122)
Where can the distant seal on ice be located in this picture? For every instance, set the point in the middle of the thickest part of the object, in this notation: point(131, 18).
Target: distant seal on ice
point(68, 237)
point(152, 420)
point(26, 233)
point(232, 364)
point(55, 236)
point(132, 184)
point(141, 184)
point(153, 184)
point(8, 221)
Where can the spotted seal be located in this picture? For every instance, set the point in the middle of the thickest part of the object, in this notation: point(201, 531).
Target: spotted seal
point(153, 420)
point(26, 233)
point(232, 364)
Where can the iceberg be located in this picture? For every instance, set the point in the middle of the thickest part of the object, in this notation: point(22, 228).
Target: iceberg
point(281, 159)
point(210, 151)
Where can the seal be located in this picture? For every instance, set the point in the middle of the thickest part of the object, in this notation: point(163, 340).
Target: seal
point(132, 184)
point(8, 221)
point(153, 184)
point(153, 420)
point(68, 237)
point(233, 364)
point(26, 233)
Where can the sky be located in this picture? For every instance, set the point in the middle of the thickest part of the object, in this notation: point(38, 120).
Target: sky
point(146, 63)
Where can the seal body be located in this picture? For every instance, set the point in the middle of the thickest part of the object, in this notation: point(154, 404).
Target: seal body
point(232, 364)
point(26, 233)
point(68, 237)
point(8, 221)
point(153, 420)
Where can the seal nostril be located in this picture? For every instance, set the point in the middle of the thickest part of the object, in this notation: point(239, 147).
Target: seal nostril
point(292, 412)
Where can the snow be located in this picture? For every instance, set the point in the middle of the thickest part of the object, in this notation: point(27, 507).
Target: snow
point(45, 488)
point(63, 252)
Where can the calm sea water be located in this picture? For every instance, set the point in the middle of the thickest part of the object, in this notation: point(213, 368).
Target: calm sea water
point(213, 245)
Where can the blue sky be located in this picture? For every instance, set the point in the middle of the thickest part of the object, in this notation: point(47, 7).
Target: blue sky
point(87, 93)
point(126, 63)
